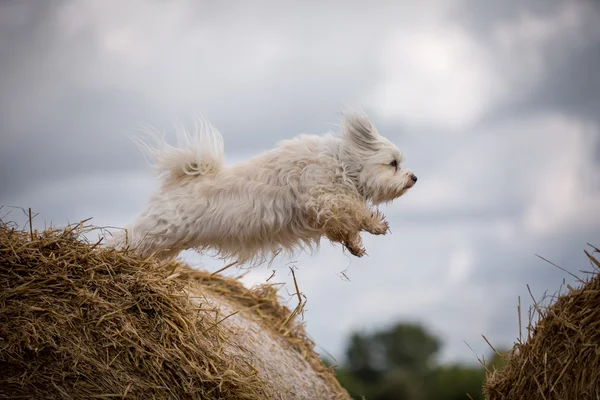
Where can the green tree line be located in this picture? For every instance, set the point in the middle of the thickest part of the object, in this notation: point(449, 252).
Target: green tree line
point(399, 364)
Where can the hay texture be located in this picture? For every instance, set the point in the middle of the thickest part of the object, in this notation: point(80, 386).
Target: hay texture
point(78, 321)
point(561, 357)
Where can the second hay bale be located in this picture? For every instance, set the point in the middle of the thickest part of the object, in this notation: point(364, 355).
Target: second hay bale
point(561, 357)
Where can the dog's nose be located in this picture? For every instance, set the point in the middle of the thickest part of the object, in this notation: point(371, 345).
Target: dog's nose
point(413, 177)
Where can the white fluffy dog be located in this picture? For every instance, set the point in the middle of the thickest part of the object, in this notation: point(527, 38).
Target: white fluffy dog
point(285, 199)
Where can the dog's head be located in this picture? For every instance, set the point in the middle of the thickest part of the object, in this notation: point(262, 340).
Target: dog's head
point(374, 163)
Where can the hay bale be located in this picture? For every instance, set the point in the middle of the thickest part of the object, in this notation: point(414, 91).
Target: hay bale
point(81, 321)
point(561, 357)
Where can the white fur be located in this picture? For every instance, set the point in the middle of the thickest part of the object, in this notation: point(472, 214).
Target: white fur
point(285, 199)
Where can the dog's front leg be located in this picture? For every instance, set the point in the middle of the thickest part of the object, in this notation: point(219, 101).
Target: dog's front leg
point(374, 222)
point(353, 242)
point(342, 218)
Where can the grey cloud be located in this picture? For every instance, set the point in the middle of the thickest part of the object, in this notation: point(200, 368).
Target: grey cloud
point(571, 85)
point(480, 16)
point(570, 64)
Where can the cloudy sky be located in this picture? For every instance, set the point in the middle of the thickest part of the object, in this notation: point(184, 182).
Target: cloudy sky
point(496, 106)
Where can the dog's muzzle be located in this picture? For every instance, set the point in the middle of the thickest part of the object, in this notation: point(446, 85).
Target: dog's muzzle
point(411, 182)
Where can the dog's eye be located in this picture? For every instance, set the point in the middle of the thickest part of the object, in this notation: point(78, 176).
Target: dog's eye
point(394, 164)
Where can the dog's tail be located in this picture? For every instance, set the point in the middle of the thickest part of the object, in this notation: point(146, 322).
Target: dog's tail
point(197, 153)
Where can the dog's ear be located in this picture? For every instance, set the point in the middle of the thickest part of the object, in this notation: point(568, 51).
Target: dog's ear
point(358, 130)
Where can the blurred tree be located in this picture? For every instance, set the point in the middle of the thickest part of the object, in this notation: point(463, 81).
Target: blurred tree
point(398, 385)
point(390, 364)
point(399, 364)
point(406, 346)
point(357, 388)
point(360, 357)
point(456, 382)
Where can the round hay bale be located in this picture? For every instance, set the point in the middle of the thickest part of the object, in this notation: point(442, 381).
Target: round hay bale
point(561, 357)
point(81, 321)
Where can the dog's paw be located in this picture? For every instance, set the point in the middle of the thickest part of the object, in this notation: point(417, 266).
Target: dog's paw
point(378, 225)
point(354, 244)
point(356, 251)
point(380, 229)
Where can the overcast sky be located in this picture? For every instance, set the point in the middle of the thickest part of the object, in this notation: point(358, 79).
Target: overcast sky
point(496, 106)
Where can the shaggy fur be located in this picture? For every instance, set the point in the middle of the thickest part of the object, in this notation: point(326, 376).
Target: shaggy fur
point(286, 199)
